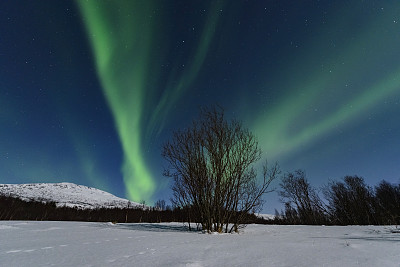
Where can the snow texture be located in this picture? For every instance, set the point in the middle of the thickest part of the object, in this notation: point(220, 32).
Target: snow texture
point(170, 244)
point(66, 194)
point(265, 216)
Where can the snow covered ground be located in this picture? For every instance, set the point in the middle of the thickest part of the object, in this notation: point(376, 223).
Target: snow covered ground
point(169, 244)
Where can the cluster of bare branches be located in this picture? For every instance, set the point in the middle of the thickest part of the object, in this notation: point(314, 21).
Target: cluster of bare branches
point(302, 202)
point(348, 201)
point(211, 163)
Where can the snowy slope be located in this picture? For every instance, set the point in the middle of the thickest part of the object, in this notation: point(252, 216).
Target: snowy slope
point(266, 216)
point(65, 194)
point(103, 244)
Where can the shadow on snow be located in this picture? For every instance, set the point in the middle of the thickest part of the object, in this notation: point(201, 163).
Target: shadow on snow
point(150, 227)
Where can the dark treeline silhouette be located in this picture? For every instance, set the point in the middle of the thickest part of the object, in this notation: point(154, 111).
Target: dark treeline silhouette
point(349, 201)
point(16, 209)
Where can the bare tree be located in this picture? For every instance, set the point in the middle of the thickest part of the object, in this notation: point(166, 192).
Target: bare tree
point(211, 163)
point(387, 198)
point(160, 204)
point(302, 203)
point(351, 201)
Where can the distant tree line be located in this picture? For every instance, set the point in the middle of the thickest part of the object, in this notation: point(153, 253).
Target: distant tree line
point(349, 201)
point(12, 208)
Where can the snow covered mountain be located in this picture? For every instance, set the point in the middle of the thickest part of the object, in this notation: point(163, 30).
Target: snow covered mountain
point(66, 194)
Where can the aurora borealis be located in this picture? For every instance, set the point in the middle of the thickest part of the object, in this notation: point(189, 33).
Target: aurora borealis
point(90, 90)
point(129, 39)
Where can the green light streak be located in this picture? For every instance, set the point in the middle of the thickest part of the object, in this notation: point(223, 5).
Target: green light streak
point(121, 37)
point(283, 140)
point(290, 124)
point(173, 93)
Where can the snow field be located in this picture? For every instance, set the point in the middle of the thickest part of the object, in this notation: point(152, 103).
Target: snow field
point(169, 244)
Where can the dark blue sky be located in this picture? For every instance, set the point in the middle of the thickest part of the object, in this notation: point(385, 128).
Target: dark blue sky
point(90, 90)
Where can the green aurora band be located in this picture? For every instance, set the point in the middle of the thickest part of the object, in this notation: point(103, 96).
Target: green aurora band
point(172, 93)
point(313, 101)
point(291, 123)
point(124, 37)
point(122, 69)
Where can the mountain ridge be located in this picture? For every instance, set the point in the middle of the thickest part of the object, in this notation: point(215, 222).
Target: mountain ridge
point(66, 195)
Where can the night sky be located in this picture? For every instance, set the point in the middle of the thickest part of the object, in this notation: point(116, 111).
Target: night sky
point(90, 90)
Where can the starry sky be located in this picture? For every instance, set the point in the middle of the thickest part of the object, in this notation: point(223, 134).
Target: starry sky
point(90, 90)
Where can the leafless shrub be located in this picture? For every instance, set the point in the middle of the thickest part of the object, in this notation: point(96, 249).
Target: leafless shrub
point(211, 163)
